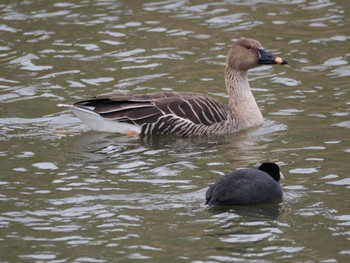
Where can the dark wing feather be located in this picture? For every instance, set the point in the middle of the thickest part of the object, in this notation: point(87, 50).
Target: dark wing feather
point(112, 106)
point(178, 107)
point(152, 107)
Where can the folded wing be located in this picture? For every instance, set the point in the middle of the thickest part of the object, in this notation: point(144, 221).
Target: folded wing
point(162, 112)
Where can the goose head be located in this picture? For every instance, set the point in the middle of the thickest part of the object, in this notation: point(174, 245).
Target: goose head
point(247, 53)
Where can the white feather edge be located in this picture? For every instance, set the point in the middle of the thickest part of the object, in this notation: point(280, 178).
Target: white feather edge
point(282, 176)
point(97, 123)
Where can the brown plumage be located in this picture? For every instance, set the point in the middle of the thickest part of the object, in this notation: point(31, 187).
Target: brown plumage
point(181, 113)
point(159, 111)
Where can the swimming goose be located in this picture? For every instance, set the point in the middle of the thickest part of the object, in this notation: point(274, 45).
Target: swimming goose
point(183, 113)
point(247, 187)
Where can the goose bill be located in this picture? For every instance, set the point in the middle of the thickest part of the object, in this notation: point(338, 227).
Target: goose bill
point(267, 58)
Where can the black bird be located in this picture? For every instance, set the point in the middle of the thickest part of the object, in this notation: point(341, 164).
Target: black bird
point(247, 187)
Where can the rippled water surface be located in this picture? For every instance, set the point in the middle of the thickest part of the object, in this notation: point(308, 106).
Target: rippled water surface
point(72, 195)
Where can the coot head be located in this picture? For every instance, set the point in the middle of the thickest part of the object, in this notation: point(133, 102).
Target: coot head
point(273, 170)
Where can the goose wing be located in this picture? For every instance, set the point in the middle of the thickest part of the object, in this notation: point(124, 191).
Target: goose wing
point(171, 108)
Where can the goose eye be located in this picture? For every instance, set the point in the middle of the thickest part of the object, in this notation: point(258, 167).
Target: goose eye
point(249, 47)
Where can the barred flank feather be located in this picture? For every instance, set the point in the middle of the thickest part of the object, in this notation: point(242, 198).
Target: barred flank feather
point(181, 114)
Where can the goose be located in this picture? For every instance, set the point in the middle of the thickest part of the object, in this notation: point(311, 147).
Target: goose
point(183, 113)
point(247, 187)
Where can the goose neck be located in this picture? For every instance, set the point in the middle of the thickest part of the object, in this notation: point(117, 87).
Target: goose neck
point(241, 99)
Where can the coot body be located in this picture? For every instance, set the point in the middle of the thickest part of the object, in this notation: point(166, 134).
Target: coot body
point(247, 187)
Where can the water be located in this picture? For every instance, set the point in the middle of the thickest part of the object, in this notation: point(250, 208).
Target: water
point(72, 195)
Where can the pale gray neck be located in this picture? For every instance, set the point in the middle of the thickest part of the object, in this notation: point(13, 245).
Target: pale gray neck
point(241, 99)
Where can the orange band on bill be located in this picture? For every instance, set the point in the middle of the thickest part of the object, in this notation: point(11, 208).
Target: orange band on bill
point(278, 60)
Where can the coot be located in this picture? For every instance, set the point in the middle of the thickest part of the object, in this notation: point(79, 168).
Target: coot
point(247, 187)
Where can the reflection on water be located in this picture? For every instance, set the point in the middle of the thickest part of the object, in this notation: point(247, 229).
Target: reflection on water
point(269, 211)
point(72, 195)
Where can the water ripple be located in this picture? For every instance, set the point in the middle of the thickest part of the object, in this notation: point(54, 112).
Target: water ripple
point(66, 189)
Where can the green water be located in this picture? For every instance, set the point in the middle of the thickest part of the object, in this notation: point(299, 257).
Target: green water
point(68, 194)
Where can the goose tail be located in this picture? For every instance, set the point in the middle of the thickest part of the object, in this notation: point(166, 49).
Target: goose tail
point(97, 123)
